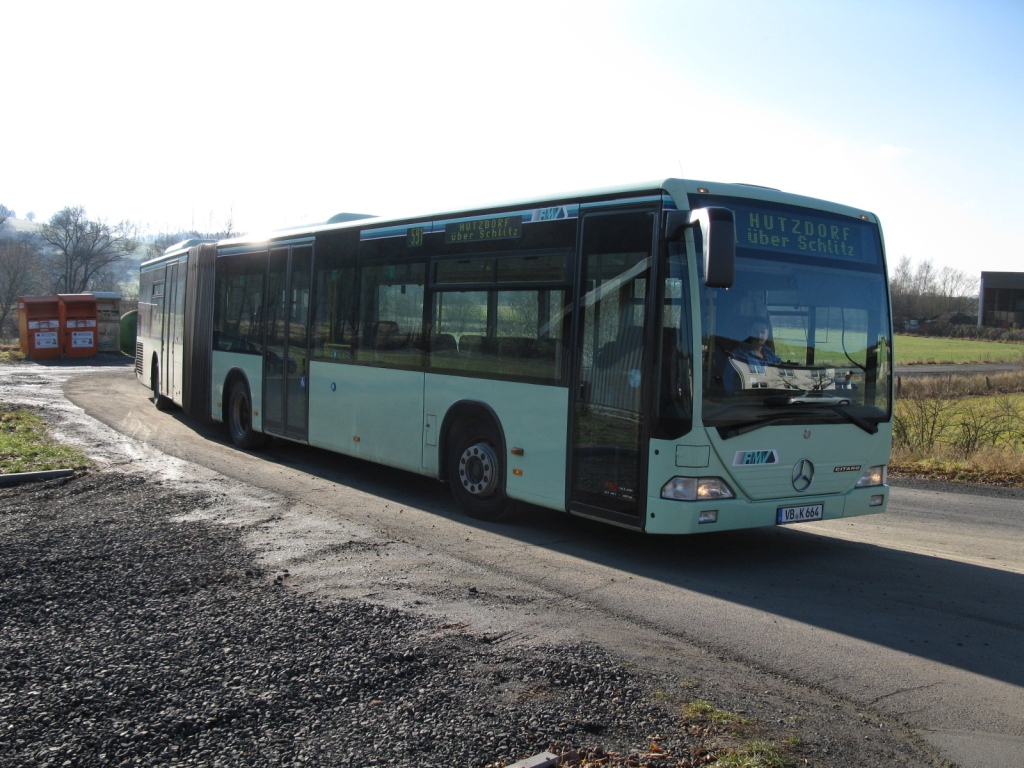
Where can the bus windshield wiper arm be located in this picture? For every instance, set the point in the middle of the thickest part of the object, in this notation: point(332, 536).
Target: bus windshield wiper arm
point(864, 424)
point(749, 426)
point(825, 400)
point(832, 403)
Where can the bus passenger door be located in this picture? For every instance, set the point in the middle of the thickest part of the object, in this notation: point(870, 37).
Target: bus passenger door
point(607, 461)
point(177, 334)
point(286, 352)
point(167, 350)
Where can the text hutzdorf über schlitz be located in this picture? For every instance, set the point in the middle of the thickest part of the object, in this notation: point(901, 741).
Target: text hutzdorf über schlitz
point(794, 234)
point(484, 229)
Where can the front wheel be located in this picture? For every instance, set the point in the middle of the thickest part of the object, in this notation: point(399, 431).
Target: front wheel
point(476, 472)
point(240, 419)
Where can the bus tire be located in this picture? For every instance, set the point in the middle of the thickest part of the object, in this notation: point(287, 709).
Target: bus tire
point(476, 471)
point(240, 419)
point(162, 403)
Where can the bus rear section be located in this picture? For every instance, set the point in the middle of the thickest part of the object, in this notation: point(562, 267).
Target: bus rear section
point(172, 348)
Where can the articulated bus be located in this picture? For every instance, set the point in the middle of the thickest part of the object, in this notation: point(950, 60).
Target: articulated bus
point(671, 357)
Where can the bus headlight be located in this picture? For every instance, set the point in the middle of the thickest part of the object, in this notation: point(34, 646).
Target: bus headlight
point(696, 489)
point(873, 476)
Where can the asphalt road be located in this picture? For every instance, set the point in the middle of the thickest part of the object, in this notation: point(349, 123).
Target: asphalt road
point(916, 615)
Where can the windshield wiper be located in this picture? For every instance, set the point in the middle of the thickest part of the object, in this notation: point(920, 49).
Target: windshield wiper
point(749, 426)
point(864, 424)
point(806, 400)
point(832, 403)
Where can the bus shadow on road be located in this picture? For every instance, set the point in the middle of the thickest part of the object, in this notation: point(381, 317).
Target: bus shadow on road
point(962, 615)
point(959, 614)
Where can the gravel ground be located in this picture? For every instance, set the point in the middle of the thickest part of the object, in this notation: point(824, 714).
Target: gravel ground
point(131, 637)
point(136, 631)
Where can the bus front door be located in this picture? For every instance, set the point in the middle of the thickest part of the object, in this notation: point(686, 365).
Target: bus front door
point(286, 353)
point(606, 460)
point(171, 330)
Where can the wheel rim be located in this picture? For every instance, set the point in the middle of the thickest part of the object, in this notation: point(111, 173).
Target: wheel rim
point(477, 469)
point(240, 414)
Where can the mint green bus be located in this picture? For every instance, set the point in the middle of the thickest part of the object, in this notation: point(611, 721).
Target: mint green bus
point(672, 357)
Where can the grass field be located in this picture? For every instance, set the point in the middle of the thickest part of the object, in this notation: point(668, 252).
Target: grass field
point(918, 350)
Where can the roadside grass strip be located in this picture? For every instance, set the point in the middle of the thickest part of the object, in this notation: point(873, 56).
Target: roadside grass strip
point(10, 353)
point(1001, 467)
point(27, 446)
point(959, 438)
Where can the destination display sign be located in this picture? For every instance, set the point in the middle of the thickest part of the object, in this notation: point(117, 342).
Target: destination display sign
point(804, 232)
point(500, 228)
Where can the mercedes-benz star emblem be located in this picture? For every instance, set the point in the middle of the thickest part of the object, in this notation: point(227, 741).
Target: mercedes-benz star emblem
point(803, 474)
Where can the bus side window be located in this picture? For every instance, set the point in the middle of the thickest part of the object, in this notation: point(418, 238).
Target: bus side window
point(336, 293)
point(391, 314)
point(238, 304)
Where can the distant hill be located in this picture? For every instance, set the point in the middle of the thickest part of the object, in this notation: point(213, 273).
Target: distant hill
point(23, 225)
point(141, 253)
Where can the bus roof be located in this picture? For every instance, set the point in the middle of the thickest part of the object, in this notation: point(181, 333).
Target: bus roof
point(678, 189)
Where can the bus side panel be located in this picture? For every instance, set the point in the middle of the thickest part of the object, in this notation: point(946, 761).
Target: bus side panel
point(382, 407)
point(534, 418)
point(252, 367)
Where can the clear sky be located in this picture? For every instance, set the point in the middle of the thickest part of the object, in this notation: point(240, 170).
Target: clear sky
point(184, 114)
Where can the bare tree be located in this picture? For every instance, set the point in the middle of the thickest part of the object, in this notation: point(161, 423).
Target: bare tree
point(924, 292)
point(84, 248)
point(5, 214)
point(166, 239)
point(20, 263)
point(901, 290)
point(957, 288)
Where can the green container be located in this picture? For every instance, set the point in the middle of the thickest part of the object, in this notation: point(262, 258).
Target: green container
point(129, 327)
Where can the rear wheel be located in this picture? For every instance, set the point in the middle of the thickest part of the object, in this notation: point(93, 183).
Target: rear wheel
point(476, 471)
point(162, 403)
point(240, 418)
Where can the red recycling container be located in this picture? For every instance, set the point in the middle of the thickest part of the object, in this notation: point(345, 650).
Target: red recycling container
point(39, 327)
point(78, 324)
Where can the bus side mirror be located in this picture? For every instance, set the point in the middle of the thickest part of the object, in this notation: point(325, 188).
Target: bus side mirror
point(718, 233)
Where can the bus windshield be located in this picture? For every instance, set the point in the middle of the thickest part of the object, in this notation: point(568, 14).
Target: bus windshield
point(802, 336)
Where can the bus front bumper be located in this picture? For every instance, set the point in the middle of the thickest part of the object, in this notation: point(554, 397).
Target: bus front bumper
point(667, 516)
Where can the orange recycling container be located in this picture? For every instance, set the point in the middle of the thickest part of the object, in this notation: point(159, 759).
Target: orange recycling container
point(78, 325)
point(39, 327)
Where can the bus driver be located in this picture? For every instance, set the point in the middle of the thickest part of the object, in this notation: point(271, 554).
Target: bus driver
point(754, 351)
